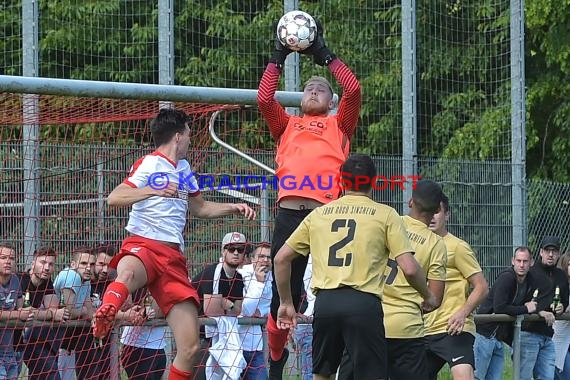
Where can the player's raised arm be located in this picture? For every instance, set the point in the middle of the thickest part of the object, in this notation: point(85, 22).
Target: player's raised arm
point(351, 101)
point(270, 108)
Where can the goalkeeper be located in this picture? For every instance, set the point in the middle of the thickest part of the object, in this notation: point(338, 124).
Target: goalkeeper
point(312, 146)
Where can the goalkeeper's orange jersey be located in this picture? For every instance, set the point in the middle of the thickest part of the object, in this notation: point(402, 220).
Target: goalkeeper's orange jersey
point(401, 302)
point(316, 148)
point(309, 156)
point(461, 264)
point(350, 240)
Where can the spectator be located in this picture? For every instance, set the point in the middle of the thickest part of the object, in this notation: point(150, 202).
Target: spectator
point(11, 303)
point(450, 329)
point(257, 278)
point(304, 332)
point(39, 343)
point(100, 279)
point(561, 336)
point(102, 275)
point(537, 348)
point(511, 294)
point(220, 288)
point(143, 356)
point(73, 287)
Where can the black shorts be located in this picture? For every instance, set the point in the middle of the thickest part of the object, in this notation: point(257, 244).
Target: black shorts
point(407, 359)
point(346, 317)
point(451, 349)
point(286, 222)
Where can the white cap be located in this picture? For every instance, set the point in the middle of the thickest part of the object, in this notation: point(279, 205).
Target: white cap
point(233, 238)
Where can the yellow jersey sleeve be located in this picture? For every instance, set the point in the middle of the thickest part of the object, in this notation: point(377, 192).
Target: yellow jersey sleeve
point(437, 262)
point(466, 261)
point(397, 239)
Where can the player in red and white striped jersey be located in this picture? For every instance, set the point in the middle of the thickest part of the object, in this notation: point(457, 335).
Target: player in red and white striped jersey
point(162, 190)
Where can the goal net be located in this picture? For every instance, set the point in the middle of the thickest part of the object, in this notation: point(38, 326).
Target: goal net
point(85, 148)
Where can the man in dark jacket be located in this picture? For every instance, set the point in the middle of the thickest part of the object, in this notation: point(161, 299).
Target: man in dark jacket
point(511, 294)
point(537, 348)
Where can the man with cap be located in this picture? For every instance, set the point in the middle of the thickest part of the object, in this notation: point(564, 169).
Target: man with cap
point(227, 297)
point(220, 287)
point(537, 348)
point(310, 149)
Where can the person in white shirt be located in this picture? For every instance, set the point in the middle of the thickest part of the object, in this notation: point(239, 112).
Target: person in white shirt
point(256, 303)
point(143, 356)
point(303, 335)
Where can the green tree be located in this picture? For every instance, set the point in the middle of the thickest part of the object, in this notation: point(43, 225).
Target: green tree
point(548, 95)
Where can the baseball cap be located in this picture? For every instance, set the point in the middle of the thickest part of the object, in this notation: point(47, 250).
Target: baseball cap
point(233, 238)
point(550, 241)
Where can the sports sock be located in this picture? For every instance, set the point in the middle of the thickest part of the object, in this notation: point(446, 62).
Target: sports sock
point(177, 374)
point(116, 294)
point(277, 339)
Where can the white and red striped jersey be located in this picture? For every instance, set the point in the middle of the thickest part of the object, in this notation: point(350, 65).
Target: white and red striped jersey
point(161, 218)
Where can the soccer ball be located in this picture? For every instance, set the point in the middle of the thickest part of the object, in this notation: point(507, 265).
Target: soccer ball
point(296, 30)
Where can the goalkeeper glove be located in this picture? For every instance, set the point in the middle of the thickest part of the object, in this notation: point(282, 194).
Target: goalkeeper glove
point(321, 53)
point(279, 54)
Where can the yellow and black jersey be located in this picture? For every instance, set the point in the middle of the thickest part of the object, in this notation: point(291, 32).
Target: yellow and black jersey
point(350, 240)
point(401, 302)
point(461, 264)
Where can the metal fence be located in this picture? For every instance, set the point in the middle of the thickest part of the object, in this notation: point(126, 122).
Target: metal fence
point(75, 180)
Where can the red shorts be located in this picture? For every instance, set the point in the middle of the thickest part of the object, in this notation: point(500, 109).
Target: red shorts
point(166, 271)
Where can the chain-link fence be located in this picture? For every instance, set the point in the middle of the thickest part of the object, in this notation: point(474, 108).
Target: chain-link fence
point(75, 180)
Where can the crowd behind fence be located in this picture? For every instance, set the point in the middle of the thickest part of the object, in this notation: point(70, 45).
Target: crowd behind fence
point(293, 367)
point(75, 180)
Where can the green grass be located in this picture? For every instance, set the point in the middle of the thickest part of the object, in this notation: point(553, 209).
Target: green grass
point(445, 374)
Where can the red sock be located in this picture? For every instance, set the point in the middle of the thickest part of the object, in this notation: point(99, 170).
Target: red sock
point(116, 294)
point(177, 374)
point(277, 339)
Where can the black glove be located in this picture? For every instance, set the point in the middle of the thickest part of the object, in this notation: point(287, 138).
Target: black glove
point(321, 53)
point(280, 53)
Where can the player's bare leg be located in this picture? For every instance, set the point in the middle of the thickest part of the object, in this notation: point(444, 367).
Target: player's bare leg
point(462, 372)
point(131, 275)
point(183, 320)
point(320, 377)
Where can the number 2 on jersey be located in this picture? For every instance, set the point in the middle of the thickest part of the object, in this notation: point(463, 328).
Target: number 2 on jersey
point(335, 261)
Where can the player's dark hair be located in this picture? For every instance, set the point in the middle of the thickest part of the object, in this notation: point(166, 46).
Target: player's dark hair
point(445, 202)
point(166, 124)
point(80, 250)
point(8, 245)
point(45, 251)
point(108, 249)
point(358, 165)
point(427, 196)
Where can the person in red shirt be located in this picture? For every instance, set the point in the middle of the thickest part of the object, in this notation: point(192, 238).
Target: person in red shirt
point(310, 151)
